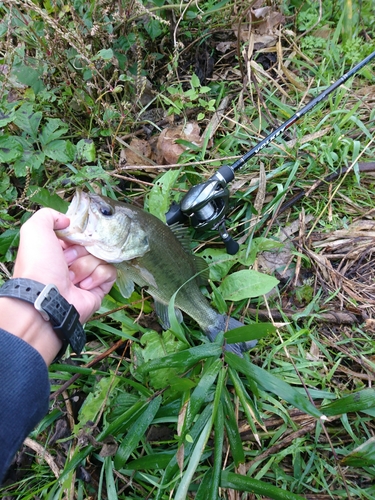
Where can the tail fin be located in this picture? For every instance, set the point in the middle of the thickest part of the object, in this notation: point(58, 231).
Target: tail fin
point(225, 323)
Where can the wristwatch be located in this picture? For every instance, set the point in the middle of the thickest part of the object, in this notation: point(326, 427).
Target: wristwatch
point(53, 307)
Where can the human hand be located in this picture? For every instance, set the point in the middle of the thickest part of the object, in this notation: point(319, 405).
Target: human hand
point(80, 277)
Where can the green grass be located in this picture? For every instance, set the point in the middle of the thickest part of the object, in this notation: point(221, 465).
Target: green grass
point(169, 416)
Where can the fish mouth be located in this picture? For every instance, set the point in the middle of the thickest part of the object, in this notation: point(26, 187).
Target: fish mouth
point(78, 213)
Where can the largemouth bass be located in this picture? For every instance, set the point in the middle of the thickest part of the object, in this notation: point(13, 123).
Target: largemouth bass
point(149, 253)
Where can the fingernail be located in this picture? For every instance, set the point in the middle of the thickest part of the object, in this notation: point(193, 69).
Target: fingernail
point(71, 275)
point(70, 255)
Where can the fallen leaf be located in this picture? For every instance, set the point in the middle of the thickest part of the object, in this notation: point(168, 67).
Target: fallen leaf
point(168, 152)
point(225, 46)
point(138, 152)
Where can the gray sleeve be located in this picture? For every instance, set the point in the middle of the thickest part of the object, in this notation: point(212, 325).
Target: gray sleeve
point(24, 391)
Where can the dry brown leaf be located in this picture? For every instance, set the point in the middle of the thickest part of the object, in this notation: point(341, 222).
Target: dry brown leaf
point(138, 152)
point(263, 24)
point(266, 19)
point(225, 46)
point(259, 40)
point(168, 152)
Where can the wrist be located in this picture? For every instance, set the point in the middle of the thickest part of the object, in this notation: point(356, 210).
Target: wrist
point(24, 321)
point(52, 309)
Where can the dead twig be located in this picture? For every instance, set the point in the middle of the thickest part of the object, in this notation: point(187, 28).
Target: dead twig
point(90, 364)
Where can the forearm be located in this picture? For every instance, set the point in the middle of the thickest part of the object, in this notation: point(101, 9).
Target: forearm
point(24, 321)
point(24, 392)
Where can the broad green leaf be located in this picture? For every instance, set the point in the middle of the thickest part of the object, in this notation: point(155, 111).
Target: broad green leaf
point(105, 54)
point(246, 284)
point(85, 151)
point(9, 240)
point(205, 486)
point(6, 117)
point(363, 456)
point(219, 262)
point(136, 432)
point(29, 76)
point(158, 199)
point(156, 347)
point(358, 401)
point(95, 400)
point(52, 130)
point(30, 160)
point(249, 332)
point(244, 483)
point(44, 198)
point(27, 120)
point(10, 149)
point(268, 382)
point(57, 150)
point(153, 28)
point(195, 81)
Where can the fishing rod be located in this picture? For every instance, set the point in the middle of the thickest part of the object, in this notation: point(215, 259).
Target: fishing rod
point(207, 203)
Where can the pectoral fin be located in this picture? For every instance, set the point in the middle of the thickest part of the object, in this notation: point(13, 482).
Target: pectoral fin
point(124, 283)
point(162, 313)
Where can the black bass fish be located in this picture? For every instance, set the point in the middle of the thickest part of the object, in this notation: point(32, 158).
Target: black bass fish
point(149, 253)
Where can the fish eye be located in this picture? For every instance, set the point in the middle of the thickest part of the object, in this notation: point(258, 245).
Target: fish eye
point(106, 210)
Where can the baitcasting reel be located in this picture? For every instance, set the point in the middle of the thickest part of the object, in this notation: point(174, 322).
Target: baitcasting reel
point(207, 204)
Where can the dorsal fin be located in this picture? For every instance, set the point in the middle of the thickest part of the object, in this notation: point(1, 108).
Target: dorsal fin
point(202, 269)
point(200, 265)
point(182, 234)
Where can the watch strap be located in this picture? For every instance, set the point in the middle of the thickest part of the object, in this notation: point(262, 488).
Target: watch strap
point(52, 306)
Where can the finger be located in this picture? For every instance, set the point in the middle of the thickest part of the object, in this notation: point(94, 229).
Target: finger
point(48, 217)
point(86, 266)
point(102, 278)
point(74, 252)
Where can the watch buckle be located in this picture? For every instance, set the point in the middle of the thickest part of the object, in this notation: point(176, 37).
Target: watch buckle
point(44, 294)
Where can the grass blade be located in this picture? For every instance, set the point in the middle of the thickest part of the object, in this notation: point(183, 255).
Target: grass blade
point(110, 482)
point(136, 432)
point(181, 493)
point(200, 392)
point(247, 405)
point(362, 456)
point(273, 384)
point(218, 453)
point(244, 483)
point(358, 401)
point(182, 359)
point(231, 427)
